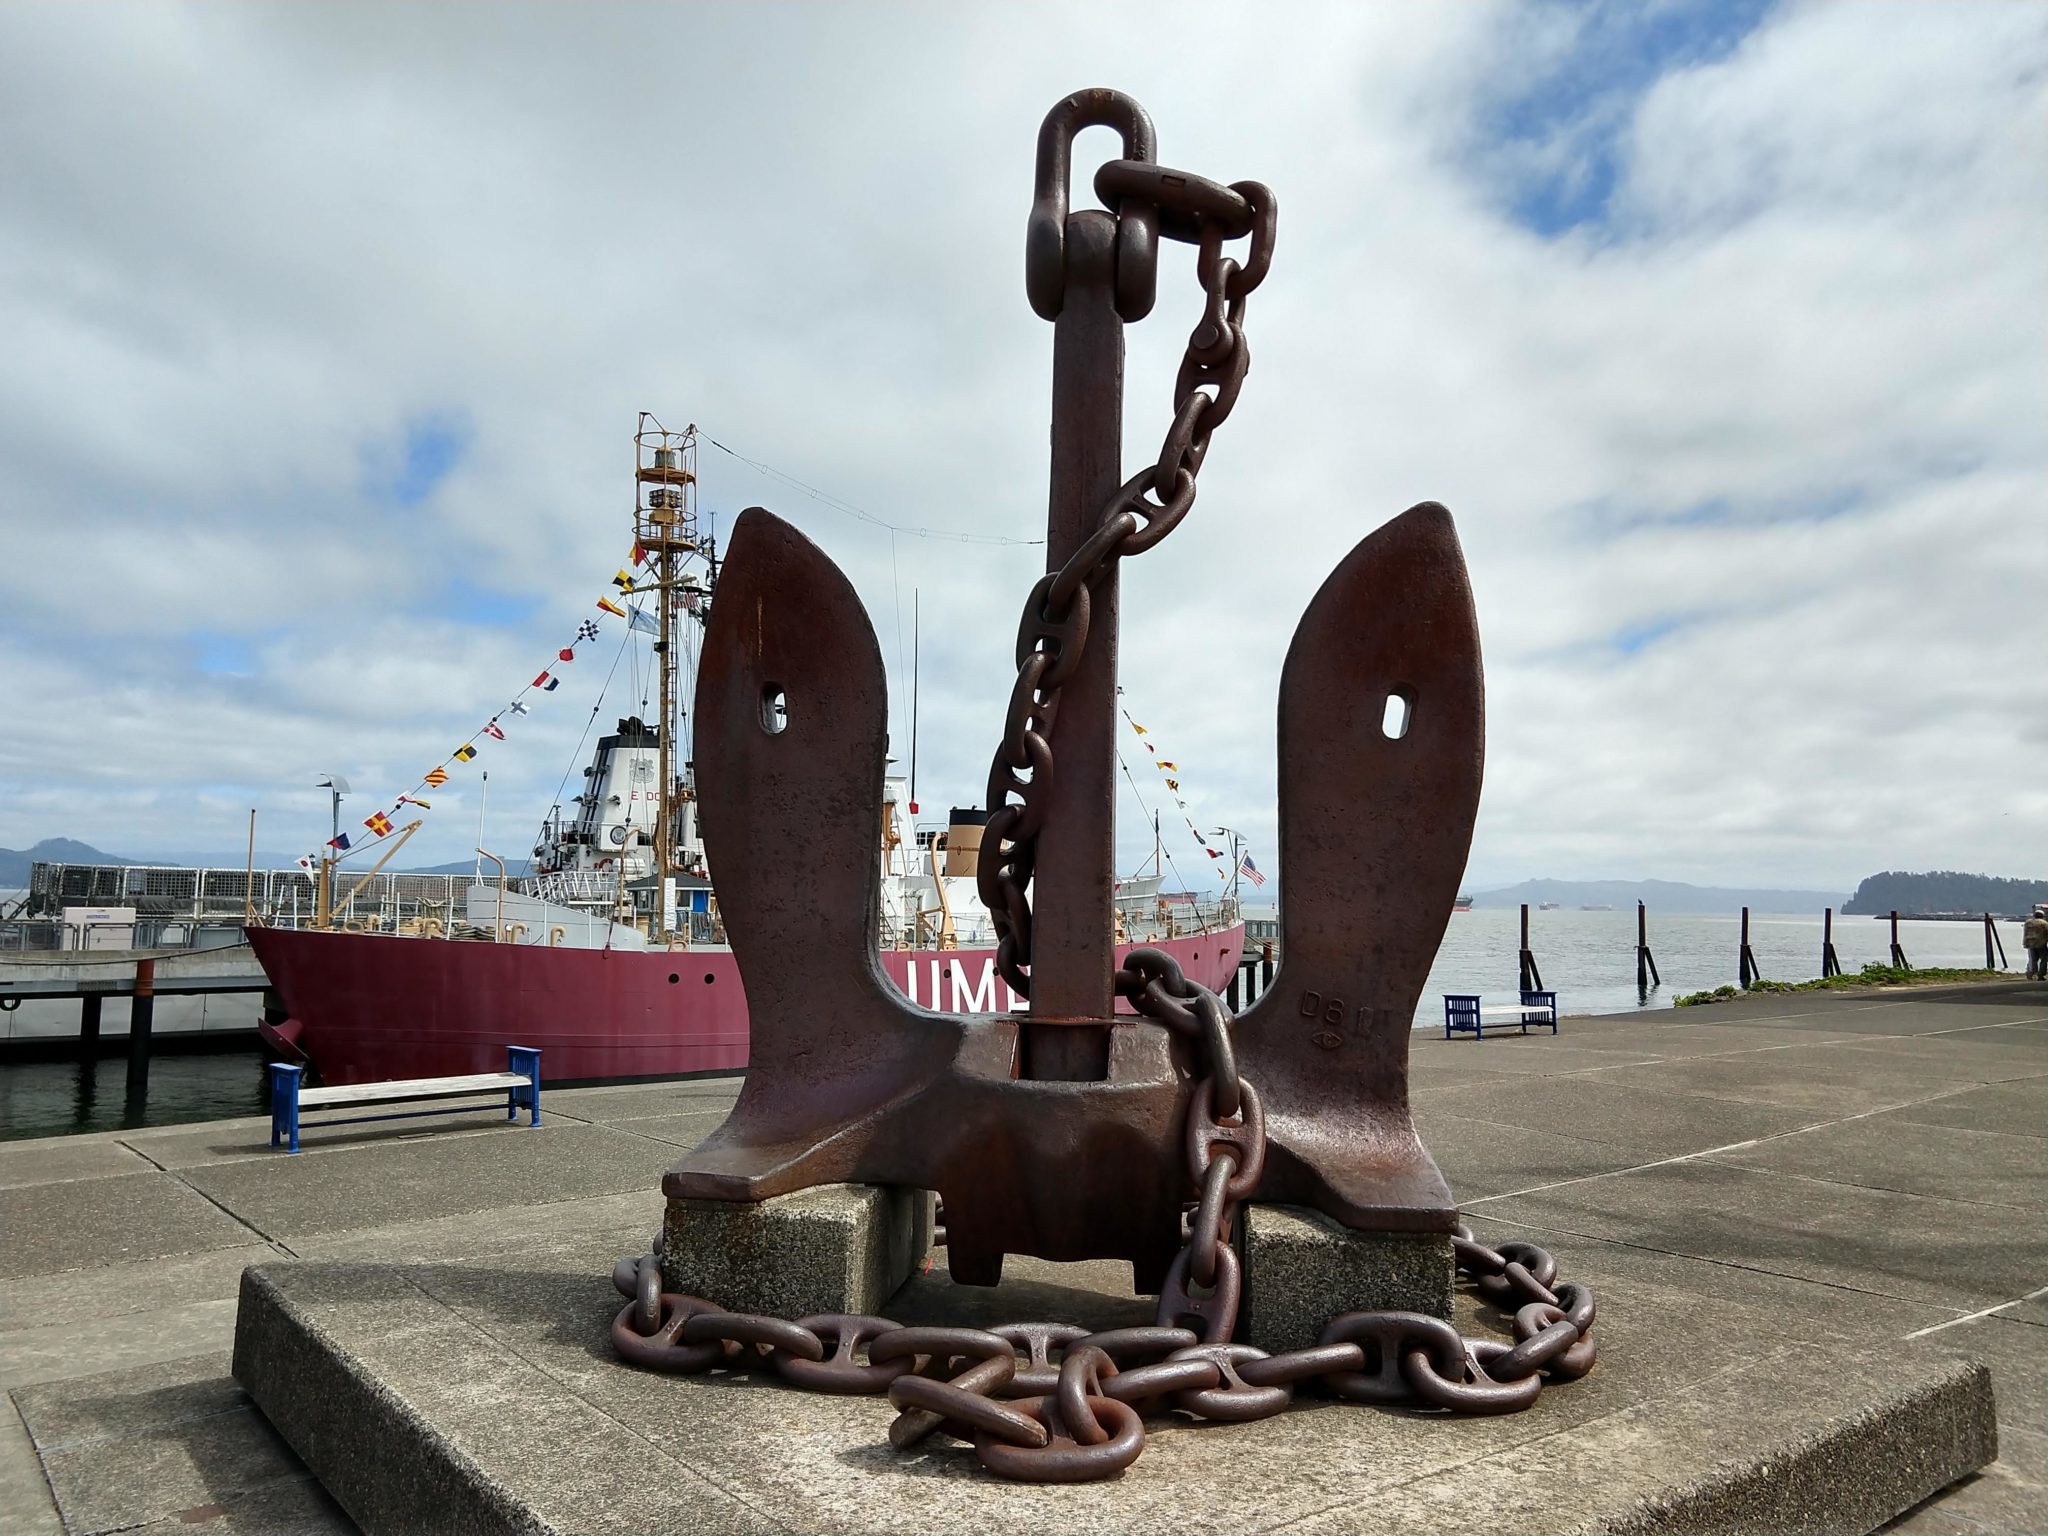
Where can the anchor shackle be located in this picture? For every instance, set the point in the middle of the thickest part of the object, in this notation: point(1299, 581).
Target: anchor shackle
point(1137, 225)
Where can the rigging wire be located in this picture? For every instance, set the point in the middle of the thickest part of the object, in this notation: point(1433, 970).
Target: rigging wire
point(1177, 875)
point(595, 709)
point(861, 514)
point(896, 593)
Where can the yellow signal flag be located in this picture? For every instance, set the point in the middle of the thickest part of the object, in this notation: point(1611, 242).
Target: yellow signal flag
point(611, 607)
point(623, 581)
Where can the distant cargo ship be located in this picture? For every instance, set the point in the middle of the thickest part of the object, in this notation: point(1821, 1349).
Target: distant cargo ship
point(1462, 904)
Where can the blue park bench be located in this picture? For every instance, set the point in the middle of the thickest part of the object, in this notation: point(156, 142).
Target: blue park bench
point(520, 1085)
point(1463, 1013)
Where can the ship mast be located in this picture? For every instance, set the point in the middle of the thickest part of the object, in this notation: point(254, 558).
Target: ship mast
point(665, 527)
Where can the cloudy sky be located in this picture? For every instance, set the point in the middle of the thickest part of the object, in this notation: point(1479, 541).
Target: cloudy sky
point(1719, 327)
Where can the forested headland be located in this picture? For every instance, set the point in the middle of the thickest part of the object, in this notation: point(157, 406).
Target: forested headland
point(1946, 890)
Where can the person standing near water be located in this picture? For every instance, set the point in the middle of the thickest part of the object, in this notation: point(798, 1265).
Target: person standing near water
point(2035, 936)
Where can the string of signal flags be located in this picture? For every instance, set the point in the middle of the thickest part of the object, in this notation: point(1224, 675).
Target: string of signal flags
point(382, 824)
point(1169, 771)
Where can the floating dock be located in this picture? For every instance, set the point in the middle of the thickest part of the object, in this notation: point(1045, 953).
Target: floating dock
point(1802, 1217)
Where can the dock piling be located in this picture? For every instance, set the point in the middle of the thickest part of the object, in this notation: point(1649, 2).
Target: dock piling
point(1991, 939)
point(89, 1026)
point(1898, 955)
point(1746, 960)
point(1646, 963)
point(141, 1017)
point(1830, 962)
point(1532, 978)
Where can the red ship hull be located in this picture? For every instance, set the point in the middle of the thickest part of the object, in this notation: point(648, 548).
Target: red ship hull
point(365, 1007)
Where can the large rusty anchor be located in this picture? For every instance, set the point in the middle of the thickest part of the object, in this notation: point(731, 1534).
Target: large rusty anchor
point(1060, 1132)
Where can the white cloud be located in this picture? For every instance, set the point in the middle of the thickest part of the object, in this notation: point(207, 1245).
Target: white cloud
point(242, 248)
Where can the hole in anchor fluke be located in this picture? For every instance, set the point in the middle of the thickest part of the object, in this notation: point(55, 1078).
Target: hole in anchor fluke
point(1399, 713)
point(774, 709)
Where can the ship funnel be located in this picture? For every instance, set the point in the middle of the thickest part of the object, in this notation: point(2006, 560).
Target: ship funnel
point(963, 840)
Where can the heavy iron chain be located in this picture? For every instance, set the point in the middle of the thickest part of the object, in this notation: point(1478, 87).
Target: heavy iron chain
point(1144, 510)
point(1069, 1409)
point(1077, 1418)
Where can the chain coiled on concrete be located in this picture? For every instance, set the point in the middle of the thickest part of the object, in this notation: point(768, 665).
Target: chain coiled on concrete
point(1052, 1402)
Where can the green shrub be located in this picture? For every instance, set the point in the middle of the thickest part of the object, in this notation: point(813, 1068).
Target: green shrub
point(1872, 975)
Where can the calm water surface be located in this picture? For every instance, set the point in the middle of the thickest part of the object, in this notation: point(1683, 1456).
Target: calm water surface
point(1587, 957)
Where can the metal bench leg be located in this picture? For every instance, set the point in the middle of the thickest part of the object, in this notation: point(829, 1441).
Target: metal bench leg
point(525, 1060)
point(284, 1104)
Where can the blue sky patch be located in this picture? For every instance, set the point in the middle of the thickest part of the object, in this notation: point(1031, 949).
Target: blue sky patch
point(1554, 134)
point(468, 603)
point(408, 472)
point(225, 655)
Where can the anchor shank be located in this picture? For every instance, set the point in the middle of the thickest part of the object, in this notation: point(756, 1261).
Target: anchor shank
point(1072, 947)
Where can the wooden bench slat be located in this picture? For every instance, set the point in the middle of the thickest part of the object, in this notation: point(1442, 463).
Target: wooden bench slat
point(411, 1088)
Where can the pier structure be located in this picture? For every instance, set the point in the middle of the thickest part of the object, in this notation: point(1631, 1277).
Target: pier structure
point(1813, 1224)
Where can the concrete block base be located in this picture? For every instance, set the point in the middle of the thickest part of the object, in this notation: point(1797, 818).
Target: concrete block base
point(482, 1397)
point(1301, 1269)
point(836, 1248)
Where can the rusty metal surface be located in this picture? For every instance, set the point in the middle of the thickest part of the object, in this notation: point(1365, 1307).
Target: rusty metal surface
point(1049, 1402)
point(1069, 1133)
point(1065, 1133)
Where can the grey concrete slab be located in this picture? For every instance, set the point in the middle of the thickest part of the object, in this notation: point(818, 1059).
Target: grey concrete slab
point(678, 1131)
point(1775, 1463)
point(84, 1224)
point(640, 1100)
point(495, 1390)
point(2000, 1500)
point(1829, 1080)
point(174, 1442)
point(62, 1351)
point(1884, 1152)
point(1955, 1058)
point(292, 1197)
point(1482, 1159)
point(611, 1224)
point(72, 1299)
point(1906, 1246)
point(227, 1141)
point(26, 1505)
point(297, 1508)
point(2012, 1109)
point(57, 1159)
point(1543, 1056)
point(1748, 1304)
point(1644, 1123)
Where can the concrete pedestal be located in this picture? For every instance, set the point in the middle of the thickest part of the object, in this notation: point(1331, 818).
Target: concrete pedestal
point(483, 1398)
point(1301, 1269)
point(836, 1248)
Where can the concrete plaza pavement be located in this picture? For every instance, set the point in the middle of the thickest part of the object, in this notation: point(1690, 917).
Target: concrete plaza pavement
point(1828, 1172)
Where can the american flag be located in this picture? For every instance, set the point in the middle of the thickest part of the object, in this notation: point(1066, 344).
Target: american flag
point(1250, 870)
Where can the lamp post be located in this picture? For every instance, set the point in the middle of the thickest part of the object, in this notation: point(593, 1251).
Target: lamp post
point(336, 786)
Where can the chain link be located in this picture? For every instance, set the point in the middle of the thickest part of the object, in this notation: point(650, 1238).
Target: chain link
point(1051, 1402)
point(1053, 633)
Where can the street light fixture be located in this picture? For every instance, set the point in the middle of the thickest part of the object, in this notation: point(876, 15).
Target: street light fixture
point(336, 786)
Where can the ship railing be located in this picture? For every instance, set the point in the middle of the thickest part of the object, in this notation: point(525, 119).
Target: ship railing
point(177, 899)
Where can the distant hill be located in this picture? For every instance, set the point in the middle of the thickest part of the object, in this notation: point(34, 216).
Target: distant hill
point(14, 862)
point(1946, 890)
point(1659, 896)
